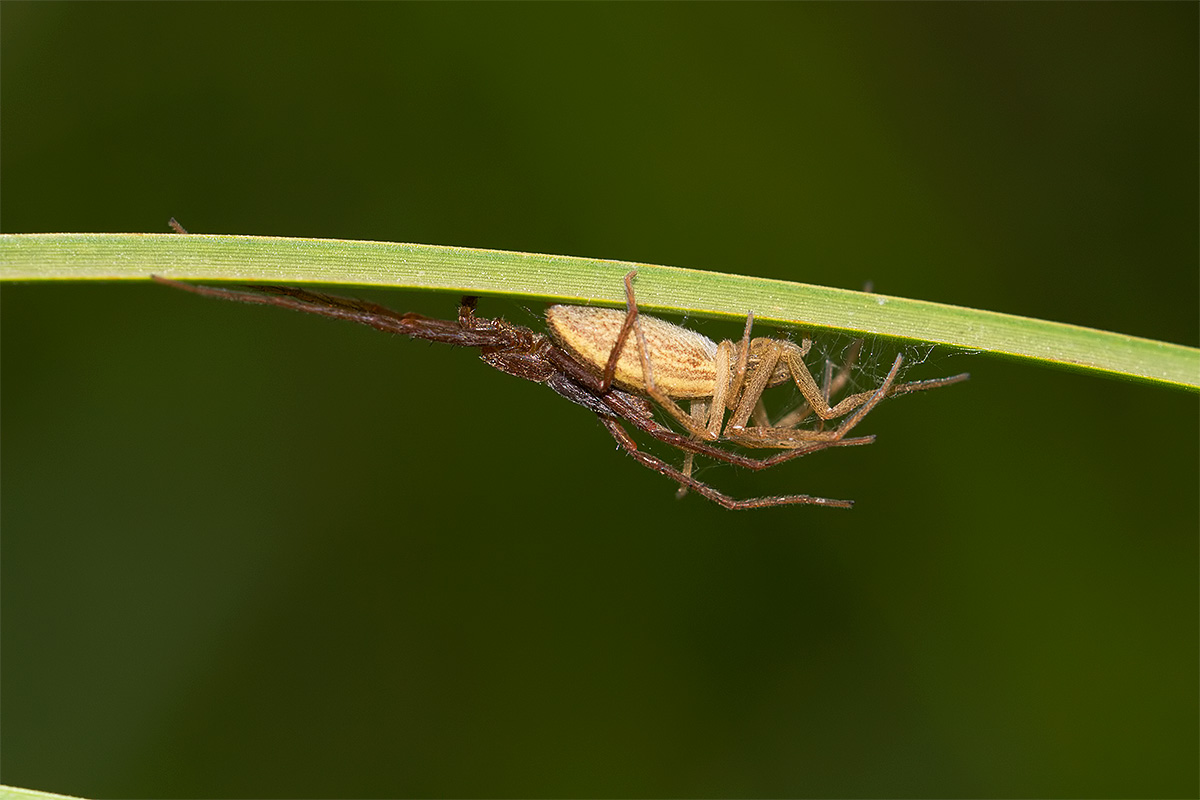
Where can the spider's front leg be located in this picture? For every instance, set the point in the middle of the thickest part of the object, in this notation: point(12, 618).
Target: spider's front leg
point(798, 437)
point(817, 401)
point(830, 385)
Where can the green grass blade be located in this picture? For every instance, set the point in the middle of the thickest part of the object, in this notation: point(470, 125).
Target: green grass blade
point(263, 259)
point(15, 793)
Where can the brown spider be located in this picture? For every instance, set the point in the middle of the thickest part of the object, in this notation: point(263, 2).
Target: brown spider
point(521, 352)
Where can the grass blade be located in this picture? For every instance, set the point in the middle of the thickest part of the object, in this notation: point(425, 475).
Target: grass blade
point(264, 259)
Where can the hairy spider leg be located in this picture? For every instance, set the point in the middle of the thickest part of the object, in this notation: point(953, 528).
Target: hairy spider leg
point(712, 413)
point(657, 394)
point(700, 415)
point(371, 314)
point(780, 435)
point(725, 393)
point(805, 410)
point(829, 387)
point(658, 465)
point(777, 437)
point(638, 412)
point(817, 403)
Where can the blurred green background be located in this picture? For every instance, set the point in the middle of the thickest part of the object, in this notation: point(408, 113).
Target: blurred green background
point(252, 553)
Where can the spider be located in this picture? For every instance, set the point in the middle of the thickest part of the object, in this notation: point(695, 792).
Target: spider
point(607, 392)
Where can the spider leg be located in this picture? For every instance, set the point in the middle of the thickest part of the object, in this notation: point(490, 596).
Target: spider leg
point(712, 413)
point(756, 383)
point(790, 437)
point(584, 389)
point(829, 387)
point(759, 416)
point(820, 405)
point(827, 381)
point(932, 383)
point(796, 416)
point(699, 414)
point(743, 361)
point(843, 375)
point(885, 388)
point(652, 389)
point(728, 380)
point(360, 311)
point(639, 413)
point(631, 312)
point(658, 465)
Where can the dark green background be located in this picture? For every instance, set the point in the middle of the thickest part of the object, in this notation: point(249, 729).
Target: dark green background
point(249, 553)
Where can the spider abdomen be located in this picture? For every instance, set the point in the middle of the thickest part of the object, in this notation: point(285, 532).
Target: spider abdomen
point(683, 362)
